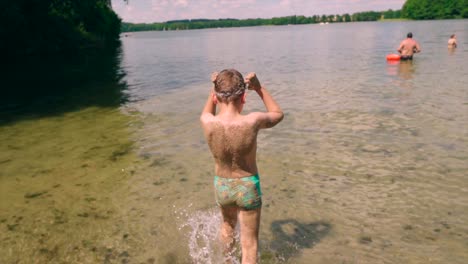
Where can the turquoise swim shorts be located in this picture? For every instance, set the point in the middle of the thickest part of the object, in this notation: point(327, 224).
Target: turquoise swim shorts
point(243, 192)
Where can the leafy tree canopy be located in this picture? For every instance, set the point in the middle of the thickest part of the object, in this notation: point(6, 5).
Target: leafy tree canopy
point(48, 27)
point(435, 9)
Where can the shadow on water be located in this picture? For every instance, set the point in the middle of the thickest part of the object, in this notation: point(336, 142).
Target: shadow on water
point(292, 236)
point(38, 87)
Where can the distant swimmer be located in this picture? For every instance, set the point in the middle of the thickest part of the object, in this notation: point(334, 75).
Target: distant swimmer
point(452, 42)
point(408, 47)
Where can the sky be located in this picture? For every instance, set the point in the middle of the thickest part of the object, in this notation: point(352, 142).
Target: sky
point(149, 11)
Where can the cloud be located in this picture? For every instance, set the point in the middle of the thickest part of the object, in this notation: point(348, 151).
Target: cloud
point(181, 3)
point(285, 3)
point(163, 10)
point(159, 5)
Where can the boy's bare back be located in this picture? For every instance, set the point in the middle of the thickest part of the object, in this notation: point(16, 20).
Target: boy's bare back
point(232, 137)
point(233, 143)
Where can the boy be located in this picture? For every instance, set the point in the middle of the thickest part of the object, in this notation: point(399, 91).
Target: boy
point(232, 138)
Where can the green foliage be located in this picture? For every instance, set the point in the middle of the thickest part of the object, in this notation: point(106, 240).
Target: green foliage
point(435, 9)
point(392, 14)
point(464, 12)
point(230, 22)
point(54, 27)
point(367, 16)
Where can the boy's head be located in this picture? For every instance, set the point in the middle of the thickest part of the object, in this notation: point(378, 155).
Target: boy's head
point(409, 35)
point(229, 86)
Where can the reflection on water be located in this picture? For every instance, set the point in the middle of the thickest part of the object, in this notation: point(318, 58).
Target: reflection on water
point(41, 87)
point(451, 50)
point(406, 69)
point(368, 166)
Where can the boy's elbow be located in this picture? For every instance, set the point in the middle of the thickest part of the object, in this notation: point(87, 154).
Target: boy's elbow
point(281, 116)
point(277, 118)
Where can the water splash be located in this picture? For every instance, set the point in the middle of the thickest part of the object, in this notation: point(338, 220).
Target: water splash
point(202, 229)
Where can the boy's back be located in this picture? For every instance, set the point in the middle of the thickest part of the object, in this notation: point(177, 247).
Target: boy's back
point(233, 143)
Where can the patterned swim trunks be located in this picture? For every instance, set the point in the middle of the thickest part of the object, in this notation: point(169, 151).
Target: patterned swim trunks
point(243, 192)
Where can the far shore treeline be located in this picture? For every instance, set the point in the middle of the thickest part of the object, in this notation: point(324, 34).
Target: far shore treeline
point(275, 21)
point(412, 9)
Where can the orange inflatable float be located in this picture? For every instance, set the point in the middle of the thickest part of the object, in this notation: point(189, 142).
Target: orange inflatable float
point(393, 57)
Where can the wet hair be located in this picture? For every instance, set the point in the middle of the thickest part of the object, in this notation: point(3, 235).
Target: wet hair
point(452, 36)
point(409, 35)
point(229, 85)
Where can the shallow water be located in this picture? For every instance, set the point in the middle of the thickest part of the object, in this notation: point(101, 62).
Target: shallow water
point(368, 166)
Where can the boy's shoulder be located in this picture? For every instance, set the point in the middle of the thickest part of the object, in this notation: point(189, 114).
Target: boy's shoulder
point(207, 120)
point(249, 119)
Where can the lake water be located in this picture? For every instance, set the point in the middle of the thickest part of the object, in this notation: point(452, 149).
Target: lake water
point(370, 164)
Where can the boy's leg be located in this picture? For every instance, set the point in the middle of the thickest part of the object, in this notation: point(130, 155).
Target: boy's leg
point(228, 226)
point(249, 226)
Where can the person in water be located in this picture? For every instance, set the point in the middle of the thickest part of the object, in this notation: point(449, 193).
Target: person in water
point(232, 139)
point(408, 47)
point(452, 42)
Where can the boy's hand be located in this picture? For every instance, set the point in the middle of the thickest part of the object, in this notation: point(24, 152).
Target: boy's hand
point(252, 81)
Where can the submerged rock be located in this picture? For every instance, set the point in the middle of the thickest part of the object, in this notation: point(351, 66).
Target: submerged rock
point(371, 149)
point(365, 240)
point(34, 194)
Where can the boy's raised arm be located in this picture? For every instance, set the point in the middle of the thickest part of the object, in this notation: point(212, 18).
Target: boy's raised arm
point(210, 106)
point(274, 113)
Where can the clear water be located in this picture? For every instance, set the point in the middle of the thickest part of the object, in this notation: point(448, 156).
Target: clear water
point(368, 166)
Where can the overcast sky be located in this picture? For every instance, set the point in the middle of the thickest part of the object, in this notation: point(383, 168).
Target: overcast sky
point(148, 11)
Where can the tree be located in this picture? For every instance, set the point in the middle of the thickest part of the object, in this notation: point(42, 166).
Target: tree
point(434, 9)
point(56, 27)
point(346, 18)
